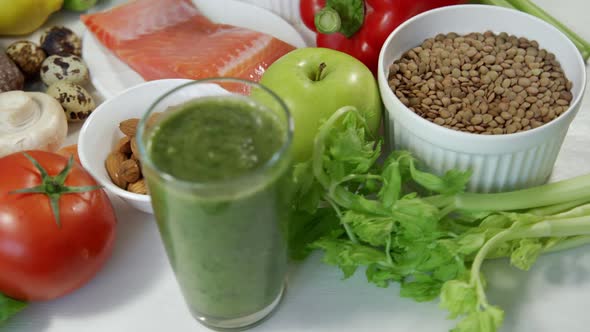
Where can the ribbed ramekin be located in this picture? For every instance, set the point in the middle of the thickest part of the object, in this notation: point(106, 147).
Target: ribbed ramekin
point(498, 162)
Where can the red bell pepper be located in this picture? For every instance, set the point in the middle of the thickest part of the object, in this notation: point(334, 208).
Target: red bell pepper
point(360, 27)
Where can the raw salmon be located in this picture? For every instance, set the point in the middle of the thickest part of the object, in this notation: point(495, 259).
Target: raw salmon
point(173, 39)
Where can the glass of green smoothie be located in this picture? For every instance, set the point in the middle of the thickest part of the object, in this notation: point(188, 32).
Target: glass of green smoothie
point(216, 156)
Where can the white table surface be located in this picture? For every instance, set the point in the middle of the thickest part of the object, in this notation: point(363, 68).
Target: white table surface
point(136, 290)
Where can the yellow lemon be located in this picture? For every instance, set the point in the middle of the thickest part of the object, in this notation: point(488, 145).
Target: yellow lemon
point(25, 16)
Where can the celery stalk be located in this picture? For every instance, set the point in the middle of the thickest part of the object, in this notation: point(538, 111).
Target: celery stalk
point(574, 189)
point(563, 245)
point(500, 3)
point(557, 208)
point(569, 243)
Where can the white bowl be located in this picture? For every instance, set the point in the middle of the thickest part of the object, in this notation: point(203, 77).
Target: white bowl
point(500, 162)
point(101, 132)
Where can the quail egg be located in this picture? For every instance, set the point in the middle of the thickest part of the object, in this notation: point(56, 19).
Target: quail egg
point(61, 40)
point(11, 78)
point(75, 100)
point(69, 68)
point(27, 55)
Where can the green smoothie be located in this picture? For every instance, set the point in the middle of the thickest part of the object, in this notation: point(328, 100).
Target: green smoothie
point(224, 224)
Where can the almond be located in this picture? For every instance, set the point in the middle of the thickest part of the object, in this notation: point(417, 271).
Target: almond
point(153, 119)
point(124, 145)
point(138, 187)
point(129, 127)
point(129, 171)
point(134, 149)
point(113, 164)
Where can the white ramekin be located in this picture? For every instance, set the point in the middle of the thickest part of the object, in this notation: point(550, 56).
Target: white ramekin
point(501, 162)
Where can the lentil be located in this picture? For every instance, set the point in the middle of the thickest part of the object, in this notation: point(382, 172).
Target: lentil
point(481, 83)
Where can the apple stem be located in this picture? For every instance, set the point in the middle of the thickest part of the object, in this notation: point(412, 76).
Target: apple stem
point(320, 71)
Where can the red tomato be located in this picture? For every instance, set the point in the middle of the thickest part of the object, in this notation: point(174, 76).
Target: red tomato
point(41, 259)
point(70, 150)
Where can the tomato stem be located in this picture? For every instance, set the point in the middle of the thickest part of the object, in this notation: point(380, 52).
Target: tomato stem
point(53, 186)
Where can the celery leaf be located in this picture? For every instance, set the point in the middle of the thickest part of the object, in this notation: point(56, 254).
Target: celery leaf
point(487, 320)
point(307, 191)
point(423, 288)
point(306, 228)
point(392, 184)
point(381, 276)
point(525, 253)
point(458, 297)
point(452, 182)
point(349, 256)
point(374, 230)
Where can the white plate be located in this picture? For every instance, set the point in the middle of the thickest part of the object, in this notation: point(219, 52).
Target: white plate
point(289, 10)
point(110, 75)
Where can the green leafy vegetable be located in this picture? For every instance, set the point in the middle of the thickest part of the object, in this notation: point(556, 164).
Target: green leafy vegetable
point(306, 228)
point(9, 307)
point(525, 253)
point(403, 224)
point(349, 256)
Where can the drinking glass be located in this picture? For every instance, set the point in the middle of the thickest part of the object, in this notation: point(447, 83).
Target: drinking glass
point(216, 156)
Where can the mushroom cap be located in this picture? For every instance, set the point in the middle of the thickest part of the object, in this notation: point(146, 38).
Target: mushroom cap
point(30, 121)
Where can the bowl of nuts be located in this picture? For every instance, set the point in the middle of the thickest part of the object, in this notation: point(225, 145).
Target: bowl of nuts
point(107, 145)
point(484, 88)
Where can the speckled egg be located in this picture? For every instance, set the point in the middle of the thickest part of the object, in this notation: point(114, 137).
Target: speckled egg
point(68, 68)
point(60, 40)
point(27, 55)
point(75, 100)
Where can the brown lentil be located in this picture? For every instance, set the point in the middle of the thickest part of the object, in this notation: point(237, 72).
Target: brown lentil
point(486, 83)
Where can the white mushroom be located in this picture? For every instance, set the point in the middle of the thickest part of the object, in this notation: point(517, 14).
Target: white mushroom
point(30, 121)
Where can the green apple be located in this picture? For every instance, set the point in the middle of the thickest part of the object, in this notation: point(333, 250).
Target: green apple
point(314, 83)
point(79, 5)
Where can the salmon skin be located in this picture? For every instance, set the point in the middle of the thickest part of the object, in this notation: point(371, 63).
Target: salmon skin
point(173, 39)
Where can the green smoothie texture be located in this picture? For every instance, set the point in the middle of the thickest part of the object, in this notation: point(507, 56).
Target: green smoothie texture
point(212, 139)
point(226, 237)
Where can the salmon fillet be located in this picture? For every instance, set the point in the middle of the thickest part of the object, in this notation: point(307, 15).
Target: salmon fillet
point(173, 39)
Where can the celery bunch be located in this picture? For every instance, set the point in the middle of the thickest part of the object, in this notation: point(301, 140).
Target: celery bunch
point(404, 225)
